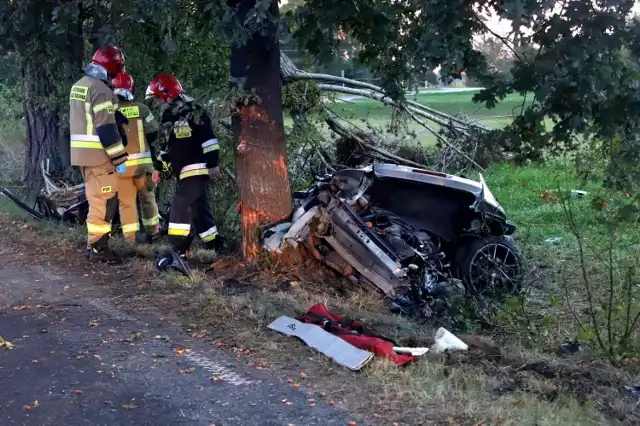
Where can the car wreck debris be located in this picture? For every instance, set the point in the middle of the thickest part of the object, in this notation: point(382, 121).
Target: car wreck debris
point(324, 342)
point(447, 341)
point(424, 239)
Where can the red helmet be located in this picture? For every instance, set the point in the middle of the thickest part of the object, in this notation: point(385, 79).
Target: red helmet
point(164, 86)
point(123, 81)
point(111, 58)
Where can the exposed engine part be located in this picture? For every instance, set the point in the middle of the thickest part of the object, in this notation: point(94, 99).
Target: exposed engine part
point(411, 234)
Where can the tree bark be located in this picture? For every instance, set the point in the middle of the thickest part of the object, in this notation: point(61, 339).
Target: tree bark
point(41, 120)
point(258, 130)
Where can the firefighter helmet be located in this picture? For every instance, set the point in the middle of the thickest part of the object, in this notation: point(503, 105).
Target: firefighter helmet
point(111, 58)
point(165, 87)
point(123, 81)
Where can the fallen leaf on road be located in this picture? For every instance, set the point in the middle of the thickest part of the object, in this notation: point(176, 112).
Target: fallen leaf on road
point(21, 307)
point(284, 400)
point(351, 424)
point(66, 288)
point(94, 323)
point(3, 308)
point(289, 403)
point(78, 392)
point(323, 394)
point(303, 375)
point(296, 385)
point(35, 361)
point(312, 404)
point(218, 344)
point(34, 404)
point(332, 402)
point(216, 378)
point(5, 343)
point(179, 351)
point(129, 406)
point(187, 371)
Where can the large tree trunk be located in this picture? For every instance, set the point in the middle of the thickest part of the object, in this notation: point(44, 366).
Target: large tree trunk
point(258, 130)
point(41, 119)
point(48, 73)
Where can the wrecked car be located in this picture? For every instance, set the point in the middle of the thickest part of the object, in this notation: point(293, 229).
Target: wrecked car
point(420, 237)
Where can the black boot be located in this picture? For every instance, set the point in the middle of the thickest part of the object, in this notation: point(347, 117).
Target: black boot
point(153, 238)
point(101, 252)
point(169, 259)
point(218, 245)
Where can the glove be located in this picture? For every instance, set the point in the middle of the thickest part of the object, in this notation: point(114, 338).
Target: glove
point(121, 168)
point(214, 173)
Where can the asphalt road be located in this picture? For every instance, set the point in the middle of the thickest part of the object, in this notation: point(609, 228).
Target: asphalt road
point(79, 361)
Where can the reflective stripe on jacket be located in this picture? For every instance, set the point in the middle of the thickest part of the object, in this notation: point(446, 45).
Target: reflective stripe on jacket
point(94, 134)
point(141, 124)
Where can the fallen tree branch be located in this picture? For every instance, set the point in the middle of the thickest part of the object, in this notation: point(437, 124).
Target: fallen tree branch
point(377, 89)
point(344, 132)
point(388, 101)
point(444, 141)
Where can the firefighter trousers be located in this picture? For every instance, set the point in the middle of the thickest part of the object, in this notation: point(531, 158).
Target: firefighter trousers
point(101, 188)
point(130, 189)
point(190, 205)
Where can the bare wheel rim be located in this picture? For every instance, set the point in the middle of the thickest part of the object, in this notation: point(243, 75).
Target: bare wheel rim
point(495, 267)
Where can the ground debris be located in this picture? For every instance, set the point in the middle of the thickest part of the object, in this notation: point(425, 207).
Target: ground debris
point(5, 343)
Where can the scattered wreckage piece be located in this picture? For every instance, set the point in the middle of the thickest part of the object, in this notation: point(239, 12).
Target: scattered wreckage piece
point(424, 239)
point(347, 342)
point(324, 342)
point(57, 201)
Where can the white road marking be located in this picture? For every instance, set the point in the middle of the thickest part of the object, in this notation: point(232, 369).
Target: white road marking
point(218, 370)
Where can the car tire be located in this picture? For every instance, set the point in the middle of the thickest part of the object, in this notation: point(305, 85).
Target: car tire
point(482, 276)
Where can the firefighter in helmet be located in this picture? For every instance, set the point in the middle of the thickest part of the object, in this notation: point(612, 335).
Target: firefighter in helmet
point(98, 146)
point(192, 150)
point(137, 180)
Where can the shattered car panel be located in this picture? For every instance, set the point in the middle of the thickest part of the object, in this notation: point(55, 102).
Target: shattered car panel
point(413, 234)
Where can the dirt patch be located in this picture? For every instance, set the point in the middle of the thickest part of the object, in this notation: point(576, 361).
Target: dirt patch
point(231, 307)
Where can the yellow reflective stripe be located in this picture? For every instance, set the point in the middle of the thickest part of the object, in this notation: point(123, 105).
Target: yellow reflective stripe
point(98, 229)
point(151, 222)
point(115, 150)
point(130, 227)
point(209, 237)
point(211, 148)
point(85, 144)
point(102, 106)
point(200, 172)
point(141, 140)
point(88, 117)
point(138, 161)
point(179, 229)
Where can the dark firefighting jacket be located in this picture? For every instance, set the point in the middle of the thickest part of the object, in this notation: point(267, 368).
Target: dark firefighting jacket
point(192, 147)
point(95, 138)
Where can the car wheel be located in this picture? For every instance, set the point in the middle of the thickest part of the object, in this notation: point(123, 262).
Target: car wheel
point(489, 266)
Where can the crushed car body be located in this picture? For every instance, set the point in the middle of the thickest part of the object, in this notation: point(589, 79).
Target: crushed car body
point(422, 238)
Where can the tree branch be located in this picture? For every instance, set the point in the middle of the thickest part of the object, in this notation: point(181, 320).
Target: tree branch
point(344, 132)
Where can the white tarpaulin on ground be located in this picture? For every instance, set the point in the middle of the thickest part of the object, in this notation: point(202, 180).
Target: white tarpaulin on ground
point(324, 342)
